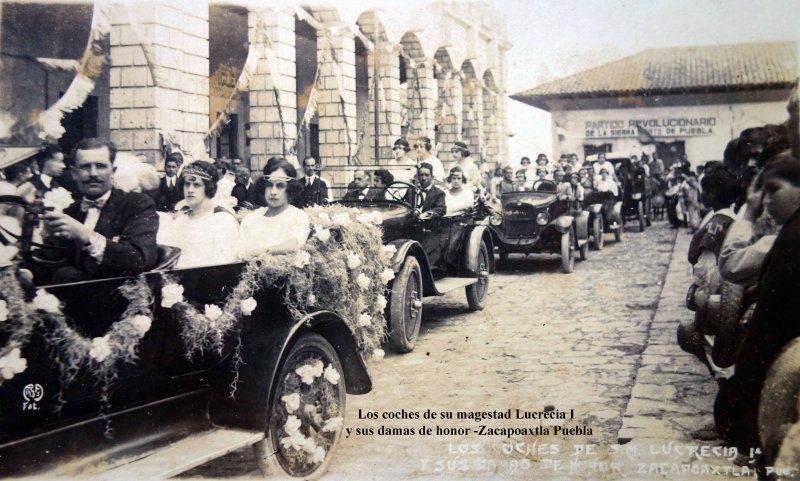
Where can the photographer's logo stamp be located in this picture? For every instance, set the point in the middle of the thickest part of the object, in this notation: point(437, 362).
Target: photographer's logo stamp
point(32, 394)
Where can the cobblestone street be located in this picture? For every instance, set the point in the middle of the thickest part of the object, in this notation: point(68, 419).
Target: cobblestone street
point(597, 345)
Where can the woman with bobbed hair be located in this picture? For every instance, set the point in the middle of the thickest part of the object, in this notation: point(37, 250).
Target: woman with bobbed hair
point(280, 227)
point(459, 196)
point(206, 233)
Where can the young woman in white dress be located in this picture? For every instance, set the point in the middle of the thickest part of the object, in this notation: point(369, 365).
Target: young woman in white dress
point(205, 233)
point(280, 227)
point(459, 195)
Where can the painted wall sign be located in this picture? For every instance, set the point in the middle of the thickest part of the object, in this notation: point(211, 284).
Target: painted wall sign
point(658, 127)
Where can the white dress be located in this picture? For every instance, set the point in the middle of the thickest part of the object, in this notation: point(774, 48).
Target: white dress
point(211, 239)
point(457, 203)
point(259, 232)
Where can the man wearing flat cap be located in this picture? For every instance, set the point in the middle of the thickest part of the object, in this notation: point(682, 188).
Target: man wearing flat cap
point(463, 159)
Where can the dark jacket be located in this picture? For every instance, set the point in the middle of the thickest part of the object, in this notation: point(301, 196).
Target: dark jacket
point(129, 223)
point(356, 194)
point(167, 197)
point(315, 193)
point(434, 201)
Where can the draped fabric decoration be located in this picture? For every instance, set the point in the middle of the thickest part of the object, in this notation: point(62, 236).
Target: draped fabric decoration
point(158, 74)
point(408, 117)
point(262, 39)
point(311, 110)
point(444, 107)
point(329, 56)
point(48, 123)
point(66, 65)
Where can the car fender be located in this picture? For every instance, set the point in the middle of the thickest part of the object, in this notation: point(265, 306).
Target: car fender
point(477, 234)
point(263, 352)
point(562, 223)
point(582, 225)
point(409, 247)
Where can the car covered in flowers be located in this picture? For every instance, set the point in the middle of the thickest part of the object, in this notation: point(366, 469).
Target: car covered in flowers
point(430, 257)
point(538, 222)
point(151, 375)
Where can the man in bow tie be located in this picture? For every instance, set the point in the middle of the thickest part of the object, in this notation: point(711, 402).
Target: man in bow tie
point(169, 193)
point(431, 199)
point(108, 232)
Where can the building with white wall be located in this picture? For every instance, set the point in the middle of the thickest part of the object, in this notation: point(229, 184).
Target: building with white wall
point(690, 100)
point(256, 79)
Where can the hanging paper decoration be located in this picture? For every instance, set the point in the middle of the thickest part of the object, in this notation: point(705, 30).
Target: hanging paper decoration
point(67, 65)
point(48, 122)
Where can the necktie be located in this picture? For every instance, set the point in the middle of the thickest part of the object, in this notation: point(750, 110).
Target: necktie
point(422, 195)
point(87, 204)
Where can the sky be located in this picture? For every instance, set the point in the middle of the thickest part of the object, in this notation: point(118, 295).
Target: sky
point(553, 39)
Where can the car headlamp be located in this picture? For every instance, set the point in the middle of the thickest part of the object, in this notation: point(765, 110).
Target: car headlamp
point(542, 218)
point(496, 220)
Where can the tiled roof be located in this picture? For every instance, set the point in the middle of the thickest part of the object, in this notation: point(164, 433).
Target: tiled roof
point(677, 70)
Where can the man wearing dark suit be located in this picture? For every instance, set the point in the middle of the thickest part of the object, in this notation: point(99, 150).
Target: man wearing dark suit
point(431, 201)
point(108, 232)
point(51, 166)
point(315, 188)
point(360, 187)
point(169, 192)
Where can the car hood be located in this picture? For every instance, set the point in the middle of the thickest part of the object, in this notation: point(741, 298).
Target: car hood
point(535, 199)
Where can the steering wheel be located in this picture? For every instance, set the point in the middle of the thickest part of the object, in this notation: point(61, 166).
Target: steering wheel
point(395, 193)
point(24, 239)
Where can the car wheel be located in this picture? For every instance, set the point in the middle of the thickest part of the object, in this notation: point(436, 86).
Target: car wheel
point(320, 412)
point(640, 213)
point(405, 306)
point(568, 251)
point(476, 293)
point(597, 227)
point(648, 217)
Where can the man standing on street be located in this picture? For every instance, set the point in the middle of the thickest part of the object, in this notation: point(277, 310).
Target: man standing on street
point(108, 232)
point(315, 188)
point(169, 193)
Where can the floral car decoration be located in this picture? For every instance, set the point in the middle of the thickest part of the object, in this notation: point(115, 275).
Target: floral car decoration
point(342, 268)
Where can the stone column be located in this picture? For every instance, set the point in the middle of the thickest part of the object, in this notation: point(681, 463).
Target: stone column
point(451, 112)
point(273, 118)
point(421, 99)
point(473, 115)
point(389, 106)
point(337, 120)
point(491, 143)
point(176, 101)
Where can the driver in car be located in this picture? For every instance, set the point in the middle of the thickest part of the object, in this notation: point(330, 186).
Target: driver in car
point(431, 199)
point(108, 232)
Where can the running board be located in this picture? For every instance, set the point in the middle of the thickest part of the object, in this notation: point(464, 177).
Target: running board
point(447, 284)
point(183, 455)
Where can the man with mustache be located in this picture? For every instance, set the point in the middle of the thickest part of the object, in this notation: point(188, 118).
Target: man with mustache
point(108, 232)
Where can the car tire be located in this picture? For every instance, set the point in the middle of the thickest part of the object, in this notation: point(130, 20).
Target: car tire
point(618, 233)
point(648, 213)
point(405, 306)
point(503, 258)
point(568, 251)
point(597, 227)
point(476, 293)
point(640, 214)
point(271, 456)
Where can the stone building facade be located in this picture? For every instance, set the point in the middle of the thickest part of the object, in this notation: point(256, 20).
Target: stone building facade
point(690, 101)
point(174, 71)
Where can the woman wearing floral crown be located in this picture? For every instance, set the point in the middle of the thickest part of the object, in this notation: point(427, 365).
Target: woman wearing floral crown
point(280, 227)
point(205, 233)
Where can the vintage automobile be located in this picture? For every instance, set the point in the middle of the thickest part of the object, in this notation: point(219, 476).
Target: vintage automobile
point(635, 190)
point(605, 214)
point(168, 412)
point(537, 221)
point(433, 257)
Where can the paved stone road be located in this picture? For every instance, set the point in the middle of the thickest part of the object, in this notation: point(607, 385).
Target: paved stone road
point(580, 344)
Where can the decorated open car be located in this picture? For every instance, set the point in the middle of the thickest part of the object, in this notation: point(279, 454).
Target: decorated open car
point(605, 210)
point(431, 256)
point(150, 375)
point(537, 221)
point(635, 190)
